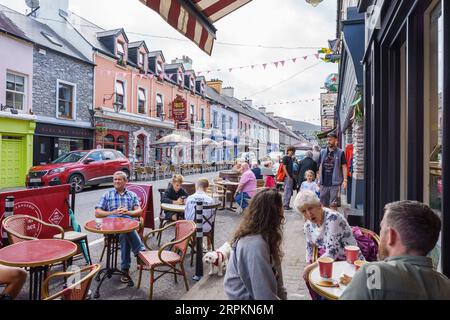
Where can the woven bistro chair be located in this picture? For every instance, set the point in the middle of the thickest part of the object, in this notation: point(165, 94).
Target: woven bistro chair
point(367, 232)
point(149, 172)
point(170, 257)
point(162, 218)
point(211, 220)
point(219, 193)
point(140, 172)
point(73, 291)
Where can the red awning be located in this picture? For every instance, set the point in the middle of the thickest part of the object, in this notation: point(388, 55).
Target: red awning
point(195, 18)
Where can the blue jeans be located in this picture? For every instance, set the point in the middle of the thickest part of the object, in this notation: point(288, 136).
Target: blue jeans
point(244, 197)
point(288, 187)
point(128, 242)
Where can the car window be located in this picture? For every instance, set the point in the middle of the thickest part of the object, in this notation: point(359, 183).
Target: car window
point(96, 156)
point(70, 157)
point(120, 155)
point(109, 155)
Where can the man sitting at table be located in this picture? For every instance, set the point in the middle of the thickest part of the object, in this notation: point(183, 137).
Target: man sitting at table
point(14, 279)
point(174, 194)
point(122, 203)
point(409, 231)
point(200, 195)
point(247, 186)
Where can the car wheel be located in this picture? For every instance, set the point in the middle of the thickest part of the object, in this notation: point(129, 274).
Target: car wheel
point(78, 181)
point(127, 173)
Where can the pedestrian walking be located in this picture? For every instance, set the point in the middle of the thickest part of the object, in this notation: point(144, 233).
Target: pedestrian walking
point(332, 174)
point(288, 168)
point(254, 267)
point(305, 165)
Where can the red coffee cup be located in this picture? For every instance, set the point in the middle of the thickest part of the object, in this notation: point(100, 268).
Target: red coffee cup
point(351, 252)
point(325, 267)
point(359, 263)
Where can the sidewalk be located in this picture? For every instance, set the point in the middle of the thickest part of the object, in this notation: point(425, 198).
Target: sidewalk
point(211, 287)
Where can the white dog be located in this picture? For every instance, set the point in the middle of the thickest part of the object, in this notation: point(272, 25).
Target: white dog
point(218, 259)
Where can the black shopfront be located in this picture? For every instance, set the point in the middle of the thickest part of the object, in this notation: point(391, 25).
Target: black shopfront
point(52, 141)
point(407, 100)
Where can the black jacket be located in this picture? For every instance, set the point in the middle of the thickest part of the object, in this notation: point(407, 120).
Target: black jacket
point(170, 195)
point(305, 165)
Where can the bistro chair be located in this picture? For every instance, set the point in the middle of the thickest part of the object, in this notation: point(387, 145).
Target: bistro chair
point(140, 173)
point(369, 233)
point(211, 221)
point(170, 257)
point(162, 217)
point(149, 173)
point(219, 193)
point(72, 291)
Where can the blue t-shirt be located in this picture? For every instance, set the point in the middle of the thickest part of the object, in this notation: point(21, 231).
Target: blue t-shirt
point(311, 186)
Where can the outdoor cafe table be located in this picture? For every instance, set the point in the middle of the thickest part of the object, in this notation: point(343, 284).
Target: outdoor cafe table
point(37, 255)
point(111, 228)
point(178, 208)
point(229, 186)
point(331, 293)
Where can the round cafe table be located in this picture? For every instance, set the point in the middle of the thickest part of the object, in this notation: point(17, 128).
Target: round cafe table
point(331, 293)
point(178, 208)
point(37, 255)
point(111, 229)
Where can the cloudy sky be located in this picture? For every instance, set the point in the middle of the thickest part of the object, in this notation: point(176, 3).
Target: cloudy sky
point(282, 23)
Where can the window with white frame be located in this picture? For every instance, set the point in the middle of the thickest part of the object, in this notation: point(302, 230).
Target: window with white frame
point(66, 100)
point(215, 124)
point(120, 93)
point(192, 83)
point(15, 91)
point(224, 123)
point(159, 105)
point(120, 50)
point(230, 123)
point(141, 60)
point(192, 112)
point(202, 116)
point(180, 78)
point(142, 99)
point(159, 67)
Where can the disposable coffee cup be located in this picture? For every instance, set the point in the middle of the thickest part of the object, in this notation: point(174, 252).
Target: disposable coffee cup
point(359, 263)
point(325, 268)
point(351, 253)
point(98, 223)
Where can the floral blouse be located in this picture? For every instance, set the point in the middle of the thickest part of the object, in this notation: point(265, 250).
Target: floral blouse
point(332, 237)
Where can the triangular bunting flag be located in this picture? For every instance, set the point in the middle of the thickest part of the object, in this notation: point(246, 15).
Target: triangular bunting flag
point(293, 60)
point(264, 65)
point(317, 56)
point(230, 69)
point(276, 64)
point(253, 66)
point(282, 63)
point(305, 57)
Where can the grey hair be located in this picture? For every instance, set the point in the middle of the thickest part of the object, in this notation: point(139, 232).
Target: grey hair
point(306, 198)
point(316, 148)
point(121, 174)
point(308, 154)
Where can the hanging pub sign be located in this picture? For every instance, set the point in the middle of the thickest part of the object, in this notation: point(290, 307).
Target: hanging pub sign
point(179, 109)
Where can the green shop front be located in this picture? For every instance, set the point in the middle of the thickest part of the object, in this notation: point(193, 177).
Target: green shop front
point(16, 149)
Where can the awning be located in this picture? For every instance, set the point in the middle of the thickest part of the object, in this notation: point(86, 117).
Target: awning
point(194, 18)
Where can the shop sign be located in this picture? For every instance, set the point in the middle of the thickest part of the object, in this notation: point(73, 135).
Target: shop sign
point(183, 126)
point(179, 109)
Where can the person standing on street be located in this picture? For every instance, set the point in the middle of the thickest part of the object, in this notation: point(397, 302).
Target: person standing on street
point(316, 154)
point(332, 173)
point(288, 168)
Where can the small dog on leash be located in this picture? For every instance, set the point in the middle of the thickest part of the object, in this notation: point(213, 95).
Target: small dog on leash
point(218, 259)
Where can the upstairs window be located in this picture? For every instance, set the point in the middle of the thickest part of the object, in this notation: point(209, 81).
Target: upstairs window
point(15, 91)
point(159, 105)
point(192, 112)
point(141, 101)
point(180, 78)
point(230, 122)
point(224, 122)
point(191, 83)
point(141, 60)
point(159, 67)
point(120, 93)
point(215, 124)
point(66, 94)
point(120, 51)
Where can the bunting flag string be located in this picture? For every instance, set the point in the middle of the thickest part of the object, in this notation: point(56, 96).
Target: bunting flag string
point(287, 102)
point(263, 65)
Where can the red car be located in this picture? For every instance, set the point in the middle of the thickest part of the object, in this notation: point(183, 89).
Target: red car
point(83, 167)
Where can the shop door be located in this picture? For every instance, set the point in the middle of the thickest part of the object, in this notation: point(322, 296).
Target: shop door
point(11, 170)
point(43, 150)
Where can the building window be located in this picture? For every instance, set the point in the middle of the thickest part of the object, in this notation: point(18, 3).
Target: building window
point(192, 84)
point(192, 113)
point(245, 128)
point(66, 100)
point(141, 100)
point(180, 78)
point(224, 123)
point(120, 93)
point(230, 123)
point(15, 91)
point(215, 124)
point(159, 105)
point(120, 51)
point(202, 116)
point(141, 60)
point(159, 67)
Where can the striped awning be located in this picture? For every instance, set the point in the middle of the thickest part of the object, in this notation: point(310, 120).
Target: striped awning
point(195, 18)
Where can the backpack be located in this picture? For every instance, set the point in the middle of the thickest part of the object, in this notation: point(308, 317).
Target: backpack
point(280, 173)
point(295, 168)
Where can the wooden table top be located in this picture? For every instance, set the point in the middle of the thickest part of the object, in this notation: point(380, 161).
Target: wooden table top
point(36, 253)
point(173, 207)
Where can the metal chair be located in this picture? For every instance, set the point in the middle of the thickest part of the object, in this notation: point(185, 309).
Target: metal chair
point(211, 221)
point(74, 291)
point(169, 256)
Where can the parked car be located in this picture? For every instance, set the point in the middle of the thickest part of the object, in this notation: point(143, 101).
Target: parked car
point(83, 168)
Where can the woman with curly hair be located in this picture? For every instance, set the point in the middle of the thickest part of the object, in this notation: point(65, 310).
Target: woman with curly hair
point(254, 267)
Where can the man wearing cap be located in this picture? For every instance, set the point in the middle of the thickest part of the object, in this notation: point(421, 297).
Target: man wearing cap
point(332, 172)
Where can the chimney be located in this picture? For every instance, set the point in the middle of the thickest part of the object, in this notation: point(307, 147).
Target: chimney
point(228, 91)
point(248, 102)
point(186, 61)
point(216, 84)
point(263, 110)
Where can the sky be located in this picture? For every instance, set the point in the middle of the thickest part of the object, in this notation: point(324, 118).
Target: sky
point(282, 23)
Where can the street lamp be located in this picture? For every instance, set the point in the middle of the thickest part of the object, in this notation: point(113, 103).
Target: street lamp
point(314, 3)
point(117, 106)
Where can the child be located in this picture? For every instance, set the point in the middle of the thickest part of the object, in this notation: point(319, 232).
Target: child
point(309, 184)
point(268, 174)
